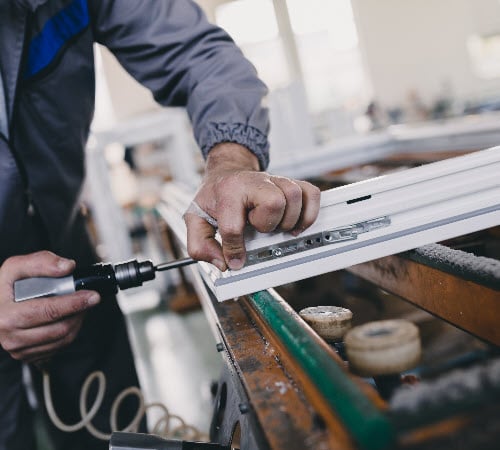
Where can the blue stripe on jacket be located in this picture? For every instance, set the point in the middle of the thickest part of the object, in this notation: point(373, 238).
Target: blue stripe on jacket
point(58, 30)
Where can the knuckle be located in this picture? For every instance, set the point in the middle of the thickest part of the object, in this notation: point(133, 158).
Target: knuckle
point(293, 192)
point(232, 248)
point(11, 321)
point(188, 219)
point(5, 324)
point(75, 303)
point(51, 312)
point(28, 317)
point(196, 250)
point(67, 339)
point(45, 254)
point(61, 330)
point(18, 356)
point(230, 233)
point(9, 345)
point(274, 203)
point(314, 192)
point(12, 261)
point(81, 303)
point(44, 257)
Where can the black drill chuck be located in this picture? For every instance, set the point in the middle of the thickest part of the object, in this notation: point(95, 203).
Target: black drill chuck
point(134, 273)
point(106, 278)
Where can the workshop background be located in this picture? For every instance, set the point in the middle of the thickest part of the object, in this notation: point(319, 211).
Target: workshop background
point(340, 73)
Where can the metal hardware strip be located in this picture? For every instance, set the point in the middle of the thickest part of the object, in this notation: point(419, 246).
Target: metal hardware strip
point(363, 221)
point(328, 237)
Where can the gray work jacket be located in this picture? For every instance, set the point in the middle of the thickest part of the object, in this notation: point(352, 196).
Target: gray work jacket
point(47, 63)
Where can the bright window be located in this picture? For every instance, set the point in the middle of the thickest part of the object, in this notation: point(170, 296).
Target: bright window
point(248, 21)
point(484, 52)
point(327, 43)
point(252, 24)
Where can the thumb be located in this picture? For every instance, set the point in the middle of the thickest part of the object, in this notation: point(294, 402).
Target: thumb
point(40, 264)
point(201, 241)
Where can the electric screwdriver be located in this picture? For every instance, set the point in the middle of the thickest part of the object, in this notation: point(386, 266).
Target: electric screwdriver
point(103, 278)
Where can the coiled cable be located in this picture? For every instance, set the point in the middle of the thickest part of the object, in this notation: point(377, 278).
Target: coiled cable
point(163, 426)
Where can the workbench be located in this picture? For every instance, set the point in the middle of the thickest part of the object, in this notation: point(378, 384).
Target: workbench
point(285, 388)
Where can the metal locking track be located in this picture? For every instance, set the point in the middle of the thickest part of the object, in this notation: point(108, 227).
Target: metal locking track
point(328, 237)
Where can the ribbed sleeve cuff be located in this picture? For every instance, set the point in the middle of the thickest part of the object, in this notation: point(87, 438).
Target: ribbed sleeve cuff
point(238, 133)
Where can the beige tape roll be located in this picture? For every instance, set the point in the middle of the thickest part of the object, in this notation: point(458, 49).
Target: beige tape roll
point(330, 322)
point(383, 347)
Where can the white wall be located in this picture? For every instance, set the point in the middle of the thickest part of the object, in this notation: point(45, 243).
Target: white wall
point(421, 44)
point(209, 6)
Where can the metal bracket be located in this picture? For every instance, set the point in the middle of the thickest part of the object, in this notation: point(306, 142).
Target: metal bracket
point(309, 242)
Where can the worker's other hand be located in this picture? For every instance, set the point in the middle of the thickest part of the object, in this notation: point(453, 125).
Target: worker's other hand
point(33, 330)
point(234, 192)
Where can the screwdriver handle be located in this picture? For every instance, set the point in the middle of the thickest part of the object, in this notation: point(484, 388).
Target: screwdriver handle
point(37, 287)
point(99, 277)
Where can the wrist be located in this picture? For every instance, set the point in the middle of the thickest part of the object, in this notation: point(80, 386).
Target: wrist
point(229, 156)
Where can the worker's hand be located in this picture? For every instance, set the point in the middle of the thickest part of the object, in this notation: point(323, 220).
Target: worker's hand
point(234, 192)
point(33, 330)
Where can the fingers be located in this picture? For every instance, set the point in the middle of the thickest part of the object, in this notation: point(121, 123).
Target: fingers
point(42, 325)
point(268, 203)
point(292, 193)
point(231, 217)
point(35, 329)
point(42, 342)
point(298, 210)
point(38, 264)
point(202, 245)
point(43, 311)
point(311, 197)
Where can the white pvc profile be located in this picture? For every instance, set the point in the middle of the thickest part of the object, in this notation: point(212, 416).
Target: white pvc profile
point(426, 204)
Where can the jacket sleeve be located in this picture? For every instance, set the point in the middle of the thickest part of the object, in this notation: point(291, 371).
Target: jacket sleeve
point(171, 48)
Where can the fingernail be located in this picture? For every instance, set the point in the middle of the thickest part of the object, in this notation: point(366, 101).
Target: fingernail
point(219, 264)
point(296, 232)
point(94, 299)
point(65, 264)
point(235, 264)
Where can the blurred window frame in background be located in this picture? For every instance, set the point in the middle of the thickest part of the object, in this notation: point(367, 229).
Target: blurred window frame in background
point(327, 43)
point(484, 54)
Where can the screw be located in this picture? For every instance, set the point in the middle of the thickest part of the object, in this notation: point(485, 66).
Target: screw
point(219, 347)
point(277, 252)
point(244, 408)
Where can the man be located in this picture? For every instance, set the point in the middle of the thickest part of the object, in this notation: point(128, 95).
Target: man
point(46, 106)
